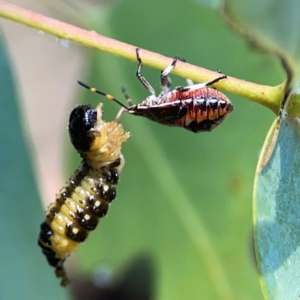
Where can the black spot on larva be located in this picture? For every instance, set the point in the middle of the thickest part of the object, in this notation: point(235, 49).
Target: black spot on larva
point(69, 190)
point(53, 211)
point(107, 175)
point(52, 261)
point(110, 194)
point(111, 176)
point(45, 233)
point(86, 221)
point(73, 184)
point(116, 163)
point(47, 251)
point(44, 245)
point(78, 236)
point(107, 195)
point(115, 176)
point(82, 119)
point(97, 210)
point(62, 198)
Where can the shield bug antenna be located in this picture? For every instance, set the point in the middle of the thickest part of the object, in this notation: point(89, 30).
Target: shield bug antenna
point(196, 107)
point(108, 96)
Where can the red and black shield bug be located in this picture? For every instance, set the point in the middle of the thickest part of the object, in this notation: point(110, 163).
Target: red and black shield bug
point(196, 107)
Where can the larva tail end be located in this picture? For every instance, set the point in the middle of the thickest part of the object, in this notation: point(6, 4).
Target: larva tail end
point(60, 272)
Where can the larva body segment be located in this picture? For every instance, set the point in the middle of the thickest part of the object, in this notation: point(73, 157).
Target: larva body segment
point(87, 195)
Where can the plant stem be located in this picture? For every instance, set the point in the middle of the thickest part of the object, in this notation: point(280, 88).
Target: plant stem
point(265, 95)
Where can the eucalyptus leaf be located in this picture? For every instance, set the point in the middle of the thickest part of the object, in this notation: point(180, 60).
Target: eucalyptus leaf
point(272, 27)
point(277, 215)
point(277, 22)
point(24, 272)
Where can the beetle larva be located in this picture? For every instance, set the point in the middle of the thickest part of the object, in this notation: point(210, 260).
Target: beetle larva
point(87, 195)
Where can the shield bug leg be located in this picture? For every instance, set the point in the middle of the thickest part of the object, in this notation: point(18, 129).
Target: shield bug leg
point(123, 109)
point(139, 75)
point(200, 85)
point(127, 97)
point(120, 113)
point(165, 80)
point(215, 80)
point(189, 82)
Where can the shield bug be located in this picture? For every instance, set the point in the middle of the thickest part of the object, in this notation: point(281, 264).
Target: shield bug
point(196, 107)
point(86, 197)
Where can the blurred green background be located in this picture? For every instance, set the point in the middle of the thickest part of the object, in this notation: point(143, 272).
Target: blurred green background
point(181, 226)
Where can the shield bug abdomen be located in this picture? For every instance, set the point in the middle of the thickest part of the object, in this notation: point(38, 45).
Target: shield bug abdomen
point(204, 108)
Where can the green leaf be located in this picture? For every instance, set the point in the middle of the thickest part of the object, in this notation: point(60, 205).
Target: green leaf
point(24, 271)
point(277, 22)
point(276, 202)
point(272, 26)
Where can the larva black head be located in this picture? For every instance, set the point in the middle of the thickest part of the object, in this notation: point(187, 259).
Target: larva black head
point(82, 119)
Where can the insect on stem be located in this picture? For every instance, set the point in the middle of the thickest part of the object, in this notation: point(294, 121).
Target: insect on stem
point(108, 96)
point(196, 107)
